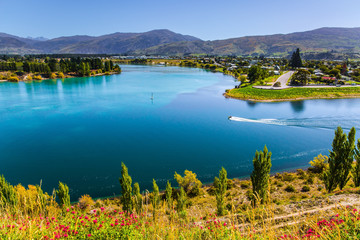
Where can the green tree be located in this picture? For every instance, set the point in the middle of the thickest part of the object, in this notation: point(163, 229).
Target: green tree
point(348, 158)
point(340, 160)
point(335, 73)
point(189, 182)
point(256, 73)
point(356, 170)
point(220, 190)
point(8, 196)
point(137, 199)
point(63, 195)
point(126, 189)
point(155, 200)
point(181, 201)
point(168, 196)
point(260, 175)
point(301, 77)
point(295, 60)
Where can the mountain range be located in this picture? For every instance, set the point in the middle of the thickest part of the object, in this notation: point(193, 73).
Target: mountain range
point(165, 42)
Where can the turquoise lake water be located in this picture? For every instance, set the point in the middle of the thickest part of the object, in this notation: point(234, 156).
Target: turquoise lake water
point(79, 130)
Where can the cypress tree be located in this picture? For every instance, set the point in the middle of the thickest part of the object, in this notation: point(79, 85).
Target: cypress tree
point(137, 199)
point(348, 158)
point(220, 190)
point(260, 175)
point(155, 201)
point(295, 61)
point(356, 170)
point(168, 195)
point(126, 190)
point(63, 195)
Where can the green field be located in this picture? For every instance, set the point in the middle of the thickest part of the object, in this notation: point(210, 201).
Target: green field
point(250, 93)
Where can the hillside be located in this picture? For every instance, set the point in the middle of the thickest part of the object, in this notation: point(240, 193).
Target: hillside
point(118, 43)
point(319, 40)
point(165, 42)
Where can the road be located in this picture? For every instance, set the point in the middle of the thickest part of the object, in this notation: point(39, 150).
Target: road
point(283, 79)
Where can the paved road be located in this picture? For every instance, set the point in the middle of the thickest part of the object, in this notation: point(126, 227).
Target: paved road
point(283, 79)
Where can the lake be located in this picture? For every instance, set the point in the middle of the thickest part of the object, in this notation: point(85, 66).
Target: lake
point(79, 130)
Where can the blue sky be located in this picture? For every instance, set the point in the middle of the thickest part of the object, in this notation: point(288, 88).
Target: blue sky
point(206, 19)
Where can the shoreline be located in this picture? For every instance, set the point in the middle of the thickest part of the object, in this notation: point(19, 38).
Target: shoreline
point(68, 76)
point(226, 95)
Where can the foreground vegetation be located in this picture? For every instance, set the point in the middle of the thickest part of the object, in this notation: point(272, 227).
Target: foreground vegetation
point(298, 93)
point(318, 203)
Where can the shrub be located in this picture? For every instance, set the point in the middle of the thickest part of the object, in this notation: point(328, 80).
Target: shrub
point(301, 173)
point(245, 185)
point(60, 75)
point(319, 164)
point(277, 84)
point(288, 177)
point(86, 202)
point(189, 182)
point(37, 77)
point(290, 188)
point(53, 75)
point(305, 188)
point(29, 78)
point(13, 79)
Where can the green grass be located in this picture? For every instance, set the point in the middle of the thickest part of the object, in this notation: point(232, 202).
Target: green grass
point(250, 93)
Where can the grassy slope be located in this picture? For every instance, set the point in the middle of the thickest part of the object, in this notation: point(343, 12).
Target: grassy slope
point(250, 93)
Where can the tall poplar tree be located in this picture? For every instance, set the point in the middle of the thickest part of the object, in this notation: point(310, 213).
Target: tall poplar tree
point(168, 195)
point(220, 190)
point(356, 170)
point(348, 158)
point(340, 160)
point(261, 175)
point(137, 199)
point(155, 201)
point(126, 189)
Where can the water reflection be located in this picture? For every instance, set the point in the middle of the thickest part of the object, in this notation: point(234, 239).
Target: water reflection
point(298, 106)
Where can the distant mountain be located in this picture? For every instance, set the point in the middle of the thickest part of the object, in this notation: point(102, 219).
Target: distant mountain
point(165, 42)
point(318, 40)
point(116, 43)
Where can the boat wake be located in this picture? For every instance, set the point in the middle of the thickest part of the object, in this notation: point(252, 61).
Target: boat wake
point(318, 122)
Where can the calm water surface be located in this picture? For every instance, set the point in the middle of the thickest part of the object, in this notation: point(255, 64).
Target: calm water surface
point(80, 130)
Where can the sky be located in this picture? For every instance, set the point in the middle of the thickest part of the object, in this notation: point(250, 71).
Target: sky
point(205, 19)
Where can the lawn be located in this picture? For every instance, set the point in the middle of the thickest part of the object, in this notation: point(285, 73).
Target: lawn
point(250, 93)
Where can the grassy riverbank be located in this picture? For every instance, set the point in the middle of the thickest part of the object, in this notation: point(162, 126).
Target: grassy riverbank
point(292, 94)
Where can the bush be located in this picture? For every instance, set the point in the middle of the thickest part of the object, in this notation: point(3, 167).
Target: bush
point(288, 177)
point(53, 75)
point(29, 78)
point(245, 185)
point(290, 188)
point(60, 75)
point(301, 173)
point(277, 84)
point(13, 79)
point(189, 182)
point(37, 77)
point(85, 202)
point(305, 188)
point(319, 164)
